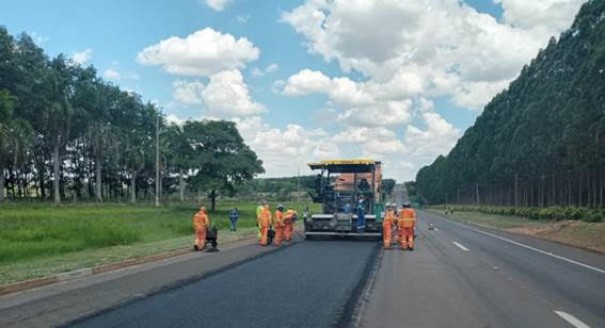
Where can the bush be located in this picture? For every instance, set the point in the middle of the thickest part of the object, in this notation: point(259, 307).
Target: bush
point(593, 217)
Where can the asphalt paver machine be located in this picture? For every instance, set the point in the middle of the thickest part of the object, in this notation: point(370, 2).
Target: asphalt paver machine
point(350, 194)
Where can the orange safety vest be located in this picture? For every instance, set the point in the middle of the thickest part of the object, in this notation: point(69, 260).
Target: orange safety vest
point(389, 217)
point(264, 218)
point(407, 218)
point(278, 220)
point(201, 221)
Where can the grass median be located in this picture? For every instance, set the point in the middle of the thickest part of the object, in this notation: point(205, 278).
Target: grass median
point(576, 233)
point(42, 240)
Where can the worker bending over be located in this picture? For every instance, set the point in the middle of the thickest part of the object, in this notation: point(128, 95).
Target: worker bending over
point(201, 223)
point(289, 220)
point(406, 225)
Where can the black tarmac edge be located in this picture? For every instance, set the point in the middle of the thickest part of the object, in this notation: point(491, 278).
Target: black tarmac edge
point(178, 284)
point(354, 305)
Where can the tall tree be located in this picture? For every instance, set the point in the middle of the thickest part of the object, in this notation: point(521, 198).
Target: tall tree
point(221, 159)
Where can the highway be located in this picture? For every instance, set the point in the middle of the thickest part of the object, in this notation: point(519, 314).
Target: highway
point(460, 276)
point(306, 285)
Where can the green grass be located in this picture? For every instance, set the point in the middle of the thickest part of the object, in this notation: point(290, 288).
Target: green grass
point(33, 231)
point(496, 221)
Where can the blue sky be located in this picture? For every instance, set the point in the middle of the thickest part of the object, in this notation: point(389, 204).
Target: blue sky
point(411, 96)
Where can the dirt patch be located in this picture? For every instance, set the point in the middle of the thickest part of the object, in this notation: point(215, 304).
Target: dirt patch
point(576, 233)
point(539, 230)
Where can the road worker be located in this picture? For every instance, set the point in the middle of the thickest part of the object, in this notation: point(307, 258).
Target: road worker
point(233, 216)
point(406, 225)
point(278, 224)
point(387, 226)
point(264, 224)
point(201, 223)
point(361, 211)
point(289, 221)
point(259, 209)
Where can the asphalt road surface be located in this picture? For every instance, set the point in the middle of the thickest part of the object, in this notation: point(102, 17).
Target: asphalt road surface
point(459, 276)
point(311, 284)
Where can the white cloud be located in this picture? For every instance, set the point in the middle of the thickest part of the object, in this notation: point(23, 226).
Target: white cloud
point(218, 5)
point(82, 57)
point(381, 114)
point(112, 74)
point(257, 72)
point(202, 53)
point(243, 18)
point(437, 138)
point(434, 48)
point(547, 17)
point(188, 93)
point(285, 151)
point(307, 82)
point(227, 95)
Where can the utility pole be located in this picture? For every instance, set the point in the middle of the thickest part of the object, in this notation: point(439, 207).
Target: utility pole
point(157, 162)
point(298, 187)
point(477, 193)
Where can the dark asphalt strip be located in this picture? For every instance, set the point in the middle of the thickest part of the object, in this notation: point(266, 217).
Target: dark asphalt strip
point(177, 284)
point(313, 284)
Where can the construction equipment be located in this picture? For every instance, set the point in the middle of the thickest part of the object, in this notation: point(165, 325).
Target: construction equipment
point(349, 191)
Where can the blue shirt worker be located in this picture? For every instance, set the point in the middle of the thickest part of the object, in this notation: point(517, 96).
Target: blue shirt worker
point(233, 216)
point(361, 219)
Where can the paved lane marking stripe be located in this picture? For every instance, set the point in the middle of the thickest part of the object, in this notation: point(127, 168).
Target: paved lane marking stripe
point(460, 246)
point(534, 249)
point(572, 320)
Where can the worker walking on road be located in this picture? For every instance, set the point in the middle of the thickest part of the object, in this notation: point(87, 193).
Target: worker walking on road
point(201, 223)
point(406, 225)
point(289, 221)
point(264, 224)
point(387, 226)
point(278, 224)
point(259, 209)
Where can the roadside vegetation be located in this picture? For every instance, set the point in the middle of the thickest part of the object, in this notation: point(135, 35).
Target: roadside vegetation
point(571, 226)
point(37, 239)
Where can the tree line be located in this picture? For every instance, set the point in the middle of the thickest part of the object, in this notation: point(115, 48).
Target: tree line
point(67, 133)
point(541, 142)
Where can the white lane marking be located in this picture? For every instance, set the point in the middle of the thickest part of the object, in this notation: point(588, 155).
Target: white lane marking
point(533, 249)
point(572, 320)
point(460, 246)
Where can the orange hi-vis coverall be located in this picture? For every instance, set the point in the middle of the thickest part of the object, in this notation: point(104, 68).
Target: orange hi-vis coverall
point(387, 228)
point(264, 222)
point(279, 226)
point(201, 223)
point(406, 225)
point(289, 222)
point(259, 209)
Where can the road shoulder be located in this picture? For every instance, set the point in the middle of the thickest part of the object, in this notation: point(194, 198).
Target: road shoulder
point(68, 301)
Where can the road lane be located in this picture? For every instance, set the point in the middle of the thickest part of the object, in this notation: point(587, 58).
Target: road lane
point(494, 284)
point(306, 285)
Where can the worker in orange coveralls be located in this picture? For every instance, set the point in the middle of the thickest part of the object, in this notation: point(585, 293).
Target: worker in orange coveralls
point(264, 223)
point(278, 224)
point(289, 222)
point(201, 223)
point(387, 226)
point(406, 225)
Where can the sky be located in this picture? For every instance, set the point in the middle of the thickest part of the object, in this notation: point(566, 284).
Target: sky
point(393, 80)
